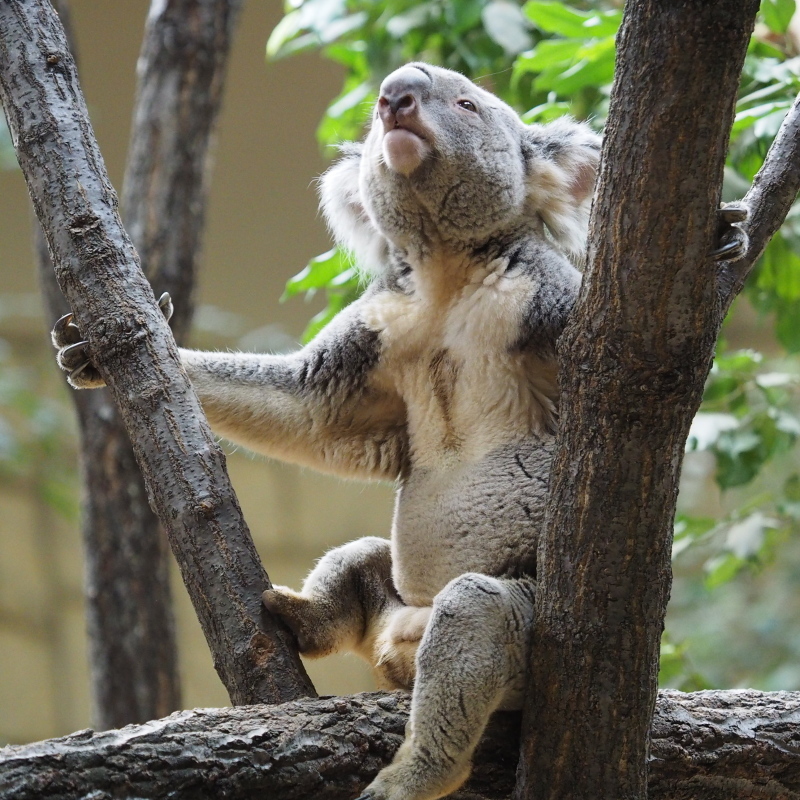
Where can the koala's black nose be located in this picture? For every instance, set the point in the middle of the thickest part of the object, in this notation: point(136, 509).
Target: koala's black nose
point(400, 94)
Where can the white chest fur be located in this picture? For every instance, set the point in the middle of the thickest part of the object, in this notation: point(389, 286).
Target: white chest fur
point(451, 356)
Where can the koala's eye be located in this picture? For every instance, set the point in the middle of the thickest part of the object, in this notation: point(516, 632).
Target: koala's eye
point(468, 105)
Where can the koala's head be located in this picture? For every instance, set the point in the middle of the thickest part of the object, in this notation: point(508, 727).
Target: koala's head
point(448, 164)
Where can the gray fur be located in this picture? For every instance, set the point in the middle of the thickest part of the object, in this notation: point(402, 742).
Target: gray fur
point(442, 376)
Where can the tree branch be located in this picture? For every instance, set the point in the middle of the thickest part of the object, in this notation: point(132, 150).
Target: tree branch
point(769, 199)
point(133, 656)
point(705, 746)
point(97, 269)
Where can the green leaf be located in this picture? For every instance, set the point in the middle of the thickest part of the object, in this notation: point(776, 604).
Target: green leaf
point(777, 14)
point(778, 283)
point(417, 16)
point(349, 100)
point(787, 326)
point(560, 18)
point(286, 30)
point(546, 112)
point(765, 119)
point(595, 71)
point(722, 569)
point(319, 273)
point(548, 53)
point(506, 25)
point(336, 302)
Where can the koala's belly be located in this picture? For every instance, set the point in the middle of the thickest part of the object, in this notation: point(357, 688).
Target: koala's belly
point(473, 517)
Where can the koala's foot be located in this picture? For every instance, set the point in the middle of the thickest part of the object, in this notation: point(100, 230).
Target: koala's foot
point(73, 354)
point(345, 600)
point(732, 238)
point(410, 777)
point(397, 647)
point(308, 618)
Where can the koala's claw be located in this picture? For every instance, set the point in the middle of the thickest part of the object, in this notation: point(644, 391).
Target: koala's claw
point(65, 331)
point(73, 353)
point(165, 304)
point(732, 239)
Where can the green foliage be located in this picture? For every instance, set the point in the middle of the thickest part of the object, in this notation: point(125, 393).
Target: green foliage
point(551, 58)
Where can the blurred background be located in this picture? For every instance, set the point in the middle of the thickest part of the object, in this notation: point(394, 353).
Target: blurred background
point(733, 617)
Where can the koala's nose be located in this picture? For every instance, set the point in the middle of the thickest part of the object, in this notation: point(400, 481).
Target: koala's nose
point(400, 94)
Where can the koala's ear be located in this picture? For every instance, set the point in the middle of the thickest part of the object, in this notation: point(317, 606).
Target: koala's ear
point(340, 201)
point(561, 162)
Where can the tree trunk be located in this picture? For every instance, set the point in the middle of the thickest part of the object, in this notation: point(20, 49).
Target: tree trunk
point(705, 746)
point(97, 269)
point(633, 363)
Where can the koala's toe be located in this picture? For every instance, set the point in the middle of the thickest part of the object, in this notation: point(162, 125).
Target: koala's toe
point(165, 304)
point(292, 609)
point(73, 357)
point(65, 332)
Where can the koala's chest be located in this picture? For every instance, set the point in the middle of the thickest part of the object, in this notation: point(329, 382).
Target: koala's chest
point(467, 388)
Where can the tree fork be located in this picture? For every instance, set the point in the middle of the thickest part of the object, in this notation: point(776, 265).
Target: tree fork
point(633, 363)
point(98, 271)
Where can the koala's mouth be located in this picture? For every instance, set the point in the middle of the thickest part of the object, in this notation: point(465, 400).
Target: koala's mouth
point(404, 148)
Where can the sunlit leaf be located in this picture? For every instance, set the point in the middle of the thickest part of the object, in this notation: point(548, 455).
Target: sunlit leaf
point(319, 272)
point(505, 23)
point(777, 14)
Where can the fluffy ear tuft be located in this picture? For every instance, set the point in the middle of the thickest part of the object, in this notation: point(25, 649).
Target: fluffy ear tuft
point(340, 201)
point(562, 159)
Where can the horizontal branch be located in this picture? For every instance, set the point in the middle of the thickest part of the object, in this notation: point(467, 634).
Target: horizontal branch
point(705, 746)
point(769, 199)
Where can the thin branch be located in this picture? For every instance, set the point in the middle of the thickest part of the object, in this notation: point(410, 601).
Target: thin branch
point(769, 199)
point(705, 746)
point(98, 271)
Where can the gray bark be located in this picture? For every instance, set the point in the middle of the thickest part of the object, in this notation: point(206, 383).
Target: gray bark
point(705, 746)
point(133, 655)
point(98, 271)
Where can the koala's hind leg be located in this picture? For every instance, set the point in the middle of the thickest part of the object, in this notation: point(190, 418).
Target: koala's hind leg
point(345, 602)
point(471, 662)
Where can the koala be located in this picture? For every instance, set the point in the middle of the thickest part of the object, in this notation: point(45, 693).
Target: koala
point(442, 378)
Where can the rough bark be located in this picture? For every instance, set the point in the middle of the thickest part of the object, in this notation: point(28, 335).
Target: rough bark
point(633, 363)
point(706, 746)
point(133, 655)
point(98, 271)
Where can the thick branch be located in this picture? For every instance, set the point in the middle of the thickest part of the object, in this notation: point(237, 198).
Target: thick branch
point(633, 362)
point(769, 199)
point(705, 746)
point(97, 269)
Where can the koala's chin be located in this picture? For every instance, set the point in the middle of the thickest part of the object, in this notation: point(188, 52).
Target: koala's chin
point(404, 150)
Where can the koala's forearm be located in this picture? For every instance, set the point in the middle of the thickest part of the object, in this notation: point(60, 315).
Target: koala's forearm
point(285, 407)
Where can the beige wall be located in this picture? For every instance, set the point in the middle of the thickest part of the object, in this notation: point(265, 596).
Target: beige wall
point(262, 228)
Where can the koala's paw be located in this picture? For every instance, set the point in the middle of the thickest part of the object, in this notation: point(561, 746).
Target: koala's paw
point(73, 351)
point(413, 776)
point(303, 616)
point(397, 645)
point(73, 356)
point(732, 239)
